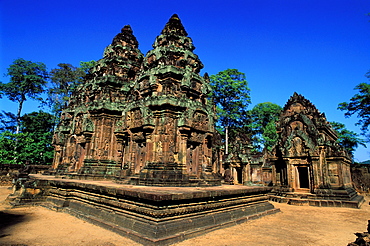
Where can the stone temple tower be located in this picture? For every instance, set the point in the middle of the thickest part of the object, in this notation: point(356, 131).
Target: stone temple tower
point(143, 119)
point(307, 161)
point(84, 141)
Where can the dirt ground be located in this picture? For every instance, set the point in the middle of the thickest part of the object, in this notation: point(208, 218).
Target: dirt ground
point(294, 225)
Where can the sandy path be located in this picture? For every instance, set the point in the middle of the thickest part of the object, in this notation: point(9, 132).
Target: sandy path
point(295, 225)
point(40, 226)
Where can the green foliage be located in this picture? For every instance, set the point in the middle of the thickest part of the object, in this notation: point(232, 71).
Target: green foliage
point(37, 122)
point(86, 66)
point(33, 144)
point(263, 118)
point(27, 80)
point(8, 147)
point(349, 140)
point(64, 81)
point(269, 135)
point(23, 148)
point(230, 93)
point(359, 104)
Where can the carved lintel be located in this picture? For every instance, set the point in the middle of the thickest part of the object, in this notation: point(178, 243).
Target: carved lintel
point(184, 129)
point(88, 136)
point(148, 128)
point(121, 136)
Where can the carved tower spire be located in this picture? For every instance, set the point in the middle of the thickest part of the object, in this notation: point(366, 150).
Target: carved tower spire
point(85, 142)
point(169, 128)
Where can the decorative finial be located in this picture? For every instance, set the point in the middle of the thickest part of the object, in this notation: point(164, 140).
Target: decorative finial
point(174, 26)
point(127, 36)
point(127, 28)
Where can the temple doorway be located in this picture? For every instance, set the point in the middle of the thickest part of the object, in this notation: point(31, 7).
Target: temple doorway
point(281, 173)
point(303, 177)
point(239, 175)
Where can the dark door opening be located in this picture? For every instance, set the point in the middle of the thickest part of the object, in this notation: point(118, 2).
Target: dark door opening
point(281, 170)
point(303, 178)
point(239, 172)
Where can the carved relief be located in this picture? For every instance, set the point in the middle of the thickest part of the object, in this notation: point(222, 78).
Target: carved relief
point(200, 121)
point(297, 125)
point(78, 125)
point(298, 147)
point(134, 118)
point(196, 137)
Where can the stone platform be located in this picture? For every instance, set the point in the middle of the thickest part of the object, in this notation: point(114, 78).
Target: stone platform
point(149, 215)
point(322, 198)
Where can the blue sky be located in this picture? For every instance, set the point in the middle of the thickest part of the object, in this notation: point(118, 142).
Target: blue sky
point(319, 49)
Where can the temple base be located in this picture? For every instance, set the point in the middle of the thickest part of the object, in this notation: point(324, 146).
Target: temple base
point(149, 215)
point(347, 197)
point(173, 174)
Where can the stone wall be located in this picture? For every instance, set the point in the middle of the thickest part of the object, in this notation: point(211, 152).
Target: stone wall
point(361, 179)
point(10, 171)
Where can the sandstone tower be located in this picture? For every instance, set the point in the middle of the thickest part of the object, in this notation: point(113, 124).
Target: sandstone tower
point(146, 119)
point(307, 160)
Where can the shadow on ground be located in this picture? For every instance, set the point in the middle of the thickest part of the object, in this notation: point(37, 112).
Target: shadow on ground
point(8, 219)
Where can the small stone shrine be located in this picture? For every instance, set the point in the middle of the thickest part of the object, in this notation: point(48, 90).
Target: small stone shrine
point(248, 168)
point(133, 151)
point(143, 118)
point(309, 166)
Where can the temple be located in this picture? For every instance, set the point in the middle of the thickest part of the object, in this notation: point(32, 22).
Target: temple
point(309, 166)
point(135, 152)
point(143, 119)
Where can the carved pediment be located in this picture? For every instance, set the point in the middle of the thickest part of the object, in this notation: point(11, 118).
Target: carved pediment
point(200, 121)
point(302, 128)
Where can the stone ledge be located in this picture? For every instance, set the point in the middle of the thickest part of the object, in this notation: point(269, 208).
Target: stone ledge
point(355, 202)
point(154, 193)
point(152, 215)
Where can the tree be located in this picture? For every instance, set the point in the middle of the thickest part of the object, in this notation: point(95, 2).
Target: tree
point(269, 135)
point(349, 140)
point(359, 104)
point(230, 94)
point(8, 147)
point(64, 81)
point(263, 118)
point(37, 122)
point(27, 80)
point(86, 66)
point(37, 128)
point(32, 144)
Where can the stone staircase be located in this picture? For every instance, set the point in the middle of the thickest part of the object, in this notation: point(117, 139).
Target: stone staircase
point(322, 197)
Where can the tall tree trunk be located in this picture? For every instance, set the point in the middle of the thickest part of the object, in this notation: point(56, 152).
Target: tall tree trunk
point(17, 130)
point(226, 140)
point(19, 115)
